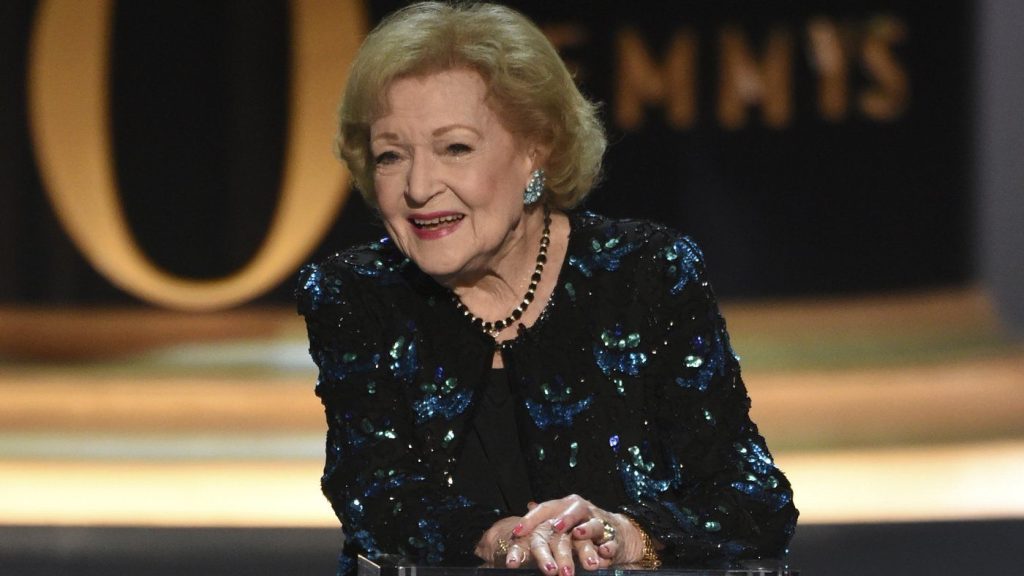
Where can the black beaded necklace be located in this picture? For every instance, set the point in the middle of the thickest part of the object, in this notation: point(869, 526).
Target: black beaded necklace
point(493, 328)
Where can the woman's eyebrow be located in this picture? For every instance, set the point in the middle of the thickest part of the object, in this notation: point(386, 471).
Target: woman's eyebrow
point(448, 128)
point(389, 136)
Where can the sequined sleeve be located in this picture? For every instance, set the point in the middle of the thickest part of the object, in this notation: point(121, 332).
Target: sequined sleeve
point(725, 498)
point(388, 500)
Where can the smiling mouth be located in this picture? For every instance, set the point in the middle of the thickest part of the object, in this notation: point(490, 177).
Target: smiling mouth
point(432, 223)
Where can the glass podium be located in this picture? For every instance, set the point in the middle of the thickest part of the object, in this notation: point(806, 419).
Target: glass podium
point(397, 566)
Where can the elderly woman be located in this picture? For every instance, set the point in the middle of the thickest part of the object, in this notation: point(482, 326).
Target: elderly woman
point(506, 379)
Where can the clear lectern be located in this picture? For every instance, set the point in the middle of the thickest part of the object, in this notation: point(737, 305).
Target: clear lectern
point(396, 566)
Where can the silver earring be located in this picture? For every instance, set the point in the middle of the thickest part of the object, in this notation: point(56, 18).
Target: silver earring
point(535, 187)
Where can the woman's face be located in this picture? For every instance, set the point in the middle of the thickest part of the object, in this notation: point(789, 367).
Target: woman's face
point(449, 177)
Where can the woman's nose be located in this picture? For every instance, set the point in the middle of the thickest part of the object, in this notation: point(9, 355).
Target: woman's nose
point(423, 182)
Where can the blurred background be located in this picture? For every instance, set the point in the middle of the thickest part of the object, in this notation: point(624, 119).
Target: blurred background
point(853, 171)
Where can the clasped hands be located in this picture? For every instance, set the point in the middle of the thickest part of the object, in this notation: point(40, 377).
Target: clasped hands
point(552, 533)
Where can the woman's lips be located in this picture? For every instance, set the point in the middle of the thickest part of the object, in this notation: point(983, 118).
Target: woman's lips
point(435, 225)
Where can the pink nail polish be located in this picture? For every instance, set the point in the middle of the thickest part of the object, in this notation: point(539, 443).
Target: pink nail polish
point(591, 561)
point(567, 570)
point(580, 531)
point(560, 525)
point(550, 567)
point(517, 529)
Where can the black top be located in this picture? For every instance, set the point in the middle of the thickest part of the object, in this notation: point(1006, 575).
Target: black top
point(491, 467)
point(627, 392)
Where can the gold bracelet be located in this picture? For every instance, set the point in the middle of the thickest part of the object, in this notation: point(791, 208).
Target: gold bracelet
point(650, 559)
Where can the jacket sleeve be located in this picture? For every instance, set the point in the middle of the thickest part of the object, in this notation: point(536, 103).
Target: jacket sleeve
point(376, 475)
point(723, 498)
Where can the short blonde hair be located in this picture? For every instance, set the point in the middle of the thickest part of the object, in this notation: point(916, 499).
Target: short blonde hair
point(528, 84)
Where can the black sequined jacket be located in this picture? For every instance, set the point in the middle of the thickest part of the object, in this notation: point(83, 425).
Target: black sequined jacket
point(628, 394)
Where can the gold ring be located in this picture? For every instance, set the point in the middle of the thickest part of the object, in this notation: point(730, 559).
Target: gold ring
point(608, 535)
point(502, 548)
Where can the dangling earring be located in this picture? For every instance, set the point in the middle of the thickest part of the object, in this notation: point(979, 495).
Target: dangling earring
point(535, 187)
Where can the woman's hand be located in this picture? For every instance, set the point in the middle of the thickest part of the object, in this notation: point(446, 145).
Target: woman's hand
point(557, 530)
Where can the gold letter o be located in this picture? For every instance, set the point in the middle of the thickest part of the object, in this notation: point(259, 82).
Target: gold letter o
point(70, 126)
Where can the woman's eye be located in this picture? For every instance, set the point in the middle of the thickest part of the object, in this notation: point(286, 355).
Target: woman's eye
point(385, 158)
point(458, 149)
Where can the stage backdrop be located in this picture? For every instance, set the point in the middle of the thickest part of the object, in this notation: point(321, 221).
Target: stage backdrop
point(154, 149)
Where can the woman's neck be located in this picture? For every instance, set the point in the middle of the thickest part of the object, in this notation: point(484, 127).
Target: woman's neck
point(496, 294)
point(492, 292)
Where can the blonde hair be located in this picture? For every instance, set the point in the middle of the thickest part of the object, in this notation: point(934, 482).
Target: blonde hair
point(529, 88)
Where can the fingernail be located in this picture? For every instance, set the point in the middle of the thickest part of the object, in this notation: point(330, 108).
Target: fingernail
point(580, 531)
point(550, 567)
point(560, 524)
point(591, 561)
point(517, 529)
point(567, 570)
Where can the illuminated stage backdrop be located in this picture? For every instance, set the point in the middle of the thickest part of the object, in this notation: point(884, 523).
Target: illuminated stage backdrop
point(809, 147)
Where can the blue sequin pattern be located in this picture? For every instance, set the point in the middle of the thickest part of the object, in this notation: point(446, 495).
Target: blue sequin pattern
point(403, 363)
point(682, 258)
point(707, 361)
point(447, 407)
point(377, 263)
point(617, 352)
point(442, 397)
point(556, 414)
point(557, 408)
point(604, 252)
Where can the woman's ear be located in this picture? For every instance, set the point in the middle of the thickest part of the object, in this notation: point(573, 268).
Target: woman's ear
point(539, 156)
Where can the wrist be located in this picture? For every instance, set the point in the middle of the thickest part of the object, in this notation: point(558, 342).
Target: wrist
point(640, 549)
point(630, 540)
